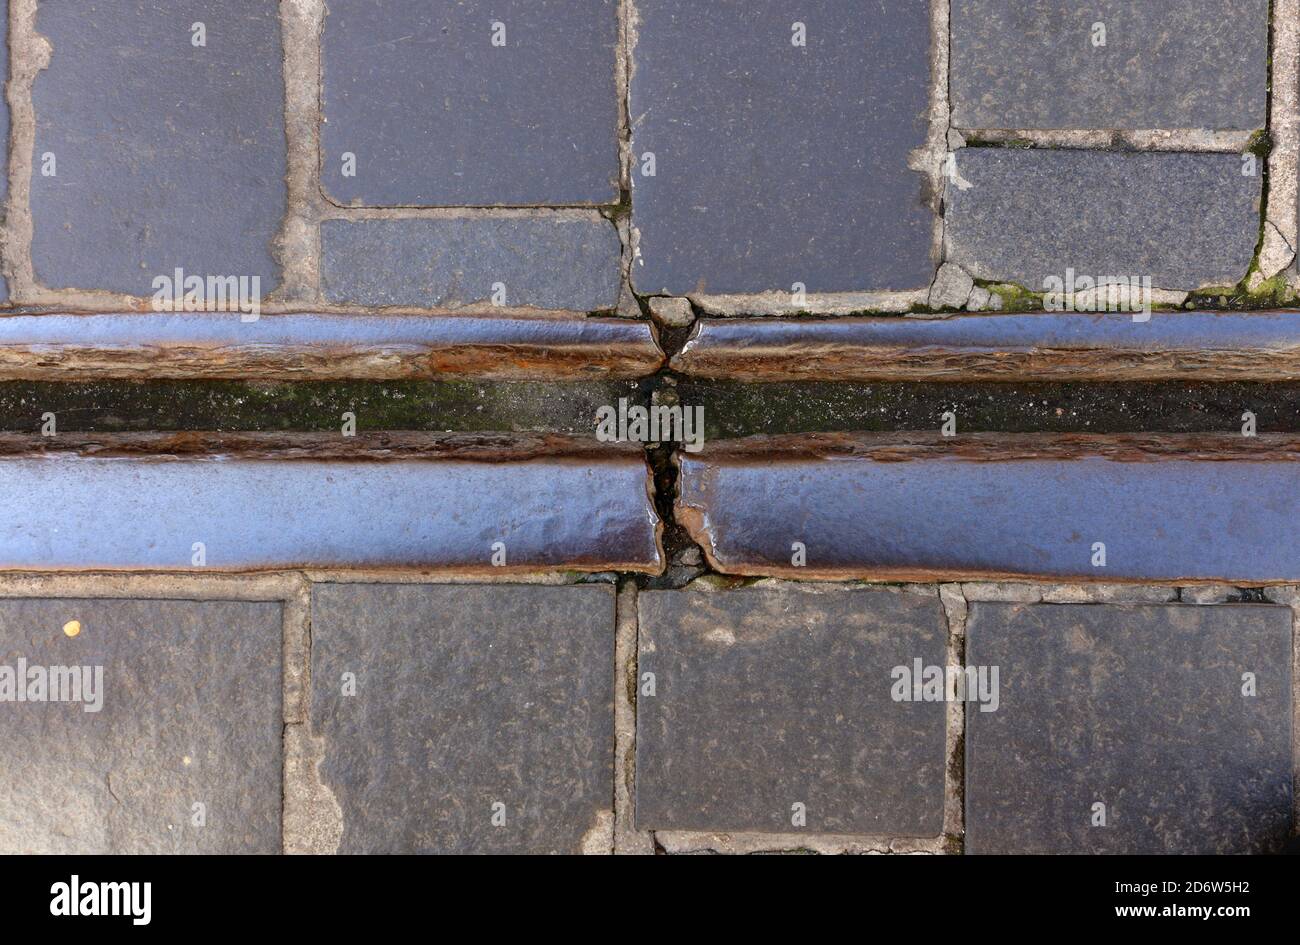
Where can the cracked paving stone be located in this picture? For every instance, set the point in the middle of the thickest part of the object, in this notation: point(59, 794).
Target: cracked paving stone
point(169, 155)
point(1182, 220)
point(777, 163)
point(182, 754)
point(482, 719)
point(1135, 717)
point(541, 262)
point(767, 699)
point(510, 103)
point(1110, 64)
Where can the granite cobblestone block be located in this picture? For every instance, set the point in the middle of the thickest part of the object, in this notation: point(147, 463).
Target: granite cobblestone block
point(148, 726)
point(508, 103)
point(1181, 221)
point(780, 143)
point(160, 143)
point(774, 711)
point(541, 262)
point(1131, 729)
point(1060, 64)
point(466, 719)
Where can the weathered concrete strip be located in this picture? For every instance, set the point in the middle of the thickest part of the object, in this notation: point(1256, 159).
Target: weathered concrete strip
point(490, 504)
point(4, 121)
point(914, 507)
point(310, 346)
point(1203, 346)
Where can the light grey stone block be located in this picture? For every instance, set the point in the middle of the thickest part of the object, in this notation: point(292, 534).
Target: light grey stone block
point(1024, 215)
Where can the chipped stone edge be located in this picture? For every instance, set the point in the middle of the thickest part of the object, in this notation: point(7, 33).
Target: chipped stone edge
point(627, 840)
point(1278, 250)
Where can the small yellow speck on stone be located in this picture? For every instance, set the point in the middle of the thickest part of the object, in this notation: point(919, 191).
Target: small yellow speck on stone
point(72, 628)
point(186, 760)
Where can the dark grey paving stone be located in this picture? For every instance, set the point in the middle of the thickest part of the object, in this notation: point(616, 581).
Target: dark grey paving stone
point(189, 713)
point(769, 698)
point(1184, 220)
point(436, 115)
point(778, 164)
point(1139, 708)
point(544, 262)
point(168, 155)
point(466, 697)
point(1176, 64)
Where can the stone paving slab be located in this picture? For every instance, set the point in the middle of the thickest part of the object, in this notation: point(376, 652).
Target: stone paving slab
point(544, 261)
point(776, 163)
point(487, 503)
point(1200, 346)
point(909, 507)
point(220, 345)
point(1141, 709)
point(508, 103)
point(1182, 220)
point(148, 708)
point(481, 718)
point(767, 699)
point(1110, 64)
point(167, 154)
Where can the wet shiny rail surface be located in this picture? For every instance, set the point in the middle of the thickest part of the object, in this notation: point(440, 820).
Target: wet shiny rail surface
point(219, 345)
point(913, 508)
point(479, 504)
point(1196, 346)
